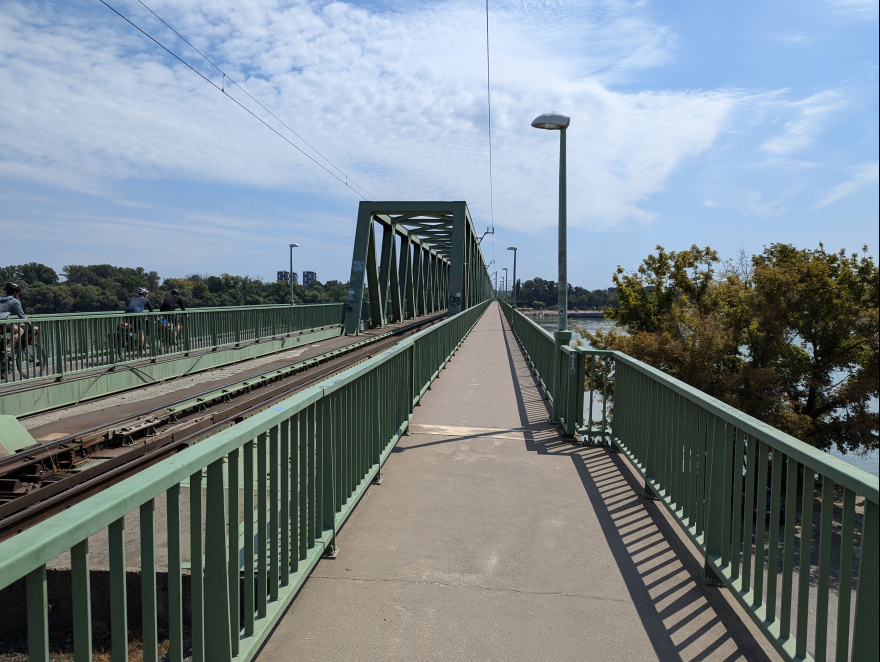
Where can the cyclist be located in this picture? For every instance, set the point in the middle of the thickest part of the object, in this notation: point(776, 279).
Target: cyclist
point(139, 302)
point(10, 305)
point(171, 323)
point(172, 302)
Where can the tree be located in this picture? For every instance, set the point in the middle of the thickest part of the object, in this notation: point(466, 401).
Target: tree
point(790, 337)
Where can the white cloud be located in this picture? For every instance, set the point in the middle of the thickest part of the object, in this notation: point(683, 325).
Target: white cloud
point(857, 7)
point(796, 38)
point(801, 131)
point(868, 173)
point(396, 100)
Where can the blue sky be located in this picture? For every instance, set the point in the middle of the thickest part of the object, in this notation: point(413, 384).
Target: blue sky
point(733, 125)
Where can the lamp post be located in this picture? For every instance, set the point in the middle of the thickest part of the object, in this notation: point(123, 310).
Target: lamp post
point(557, 122)
point(504, 269)
point(290, 274)
point(513, 248)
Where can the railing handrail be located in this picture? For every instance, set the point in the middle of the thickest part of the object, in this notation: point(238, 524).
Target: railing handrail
point(841, 472)
point(697, 455)
point(39, 544)
point(70, 344)
point(200, 309)
point(321, 493)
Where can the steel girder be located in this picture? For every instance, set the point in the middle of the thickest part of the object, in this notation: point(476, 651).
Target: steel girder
point(428, 259)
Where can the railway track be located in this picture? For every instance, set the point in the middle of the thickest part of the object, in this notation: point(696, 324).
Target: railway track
point(42, 480)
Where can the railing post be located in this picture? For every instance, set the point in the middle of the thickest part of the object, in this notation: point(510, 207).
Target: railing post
point(59, 355)
point(38, 616)
point(866, 637)
point(570, 414)
point(719, 454)
point(149, 609)
point(580, 369)
point(217, 639)
point(560, 338)
point(81, 601)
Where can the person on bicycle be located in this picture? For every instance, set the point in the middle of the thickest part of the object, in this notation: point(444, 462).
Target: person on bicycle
point(10, 305)
point(139, 302)
point(172, 302)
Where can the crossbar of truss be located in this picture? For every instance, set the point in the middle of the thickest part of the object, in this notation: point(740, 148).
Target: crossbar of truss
point(427, 259)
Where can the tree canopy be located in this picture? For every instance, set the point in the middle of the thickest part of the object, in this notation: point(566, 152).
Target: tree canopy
point(537, 290)
point(789, 336)
point(104, 287)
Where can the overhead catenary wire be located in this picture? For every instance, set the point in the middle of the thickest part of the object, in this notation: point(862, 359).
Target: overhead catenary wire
point(345, 179)
point(280, 121)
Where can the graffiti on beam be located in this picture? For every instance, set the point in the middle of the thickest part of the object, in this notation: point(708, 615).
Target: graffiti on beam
point(349, 306)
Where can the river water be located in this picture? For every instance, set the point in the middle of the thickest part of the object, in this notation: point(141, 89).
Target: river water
point(869, 462)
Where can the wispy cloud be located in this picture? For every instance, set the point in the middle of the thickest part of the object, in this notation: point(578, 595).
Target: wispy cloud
point(865, 174)
point(396, 100)
point(796, 38)
point(859, 7)
point(809, 118)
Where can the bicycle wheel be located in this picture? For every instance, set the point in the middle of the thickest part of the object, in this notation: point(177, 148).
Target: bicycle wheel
point(40, 360)
point(32, 361)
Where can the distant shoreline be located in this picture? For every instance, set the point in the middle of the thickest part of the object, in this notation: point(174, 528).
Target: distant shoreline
point(572, 314)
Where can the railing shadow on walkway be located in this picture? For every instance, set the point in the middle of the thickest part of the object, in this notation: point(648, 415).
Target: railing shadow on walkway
point(683, 618)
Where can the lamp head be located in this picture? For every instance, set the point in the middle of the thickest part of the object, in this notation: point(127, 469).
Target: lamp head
point(552, 121)
point(294, 245)
point(512, 248)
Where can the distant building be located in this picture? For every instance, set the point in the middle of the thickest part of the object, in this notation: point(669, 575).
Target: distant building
point(309, 277)
point(612, 290)
point(285, 276)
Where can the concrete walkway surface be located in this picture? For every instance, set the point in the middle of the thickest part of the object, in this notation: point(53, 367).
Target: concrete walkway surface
point(492, 538)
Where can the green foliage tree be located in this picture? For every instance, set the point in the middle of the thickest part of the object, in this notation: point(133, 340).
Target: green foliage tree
point(102, 287)
point(545, 291)
point(790, 336)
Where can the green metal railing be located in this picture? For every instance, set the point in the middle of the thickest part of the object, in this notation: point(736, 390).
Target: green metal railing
point(539, 347)
point(69, 344)
point(276, 488)
point(790, 530)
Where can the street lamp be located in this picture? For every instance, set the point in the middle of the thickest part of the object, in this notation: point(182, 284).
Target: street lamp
point(290, 274)
point(557, 122)
point(504, 269)
point(513, 248)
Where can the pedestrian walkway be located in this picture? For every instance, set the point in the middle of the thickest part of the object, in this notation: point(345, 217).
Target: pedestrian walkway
point(492, 538)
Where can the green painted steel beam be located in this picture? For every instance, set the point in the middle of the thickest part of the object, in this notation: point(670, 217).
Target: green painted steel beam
point(13, 436)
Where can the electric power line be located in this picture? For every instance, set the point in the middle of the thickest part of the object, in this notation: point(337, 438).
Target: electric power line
point(222, 89)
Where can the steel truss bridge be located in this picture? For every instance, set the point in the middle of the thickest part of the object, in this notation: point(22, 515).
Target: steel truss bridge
point(791, 532)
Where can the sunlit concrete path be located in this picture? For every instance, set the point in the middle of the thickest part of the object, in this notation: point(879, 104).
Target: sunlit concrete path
point(492, 538)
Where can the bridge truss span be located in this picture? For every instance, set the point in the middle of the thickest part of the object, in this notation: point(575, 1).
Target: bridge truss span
point(427, 259)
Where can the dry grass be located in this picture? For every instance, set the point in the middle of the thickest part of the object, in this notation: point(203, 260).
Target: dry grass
point(61, 649)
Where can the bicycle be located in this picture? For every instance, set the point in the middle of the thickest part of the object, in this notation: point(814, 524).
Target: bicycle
point(27, 357)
